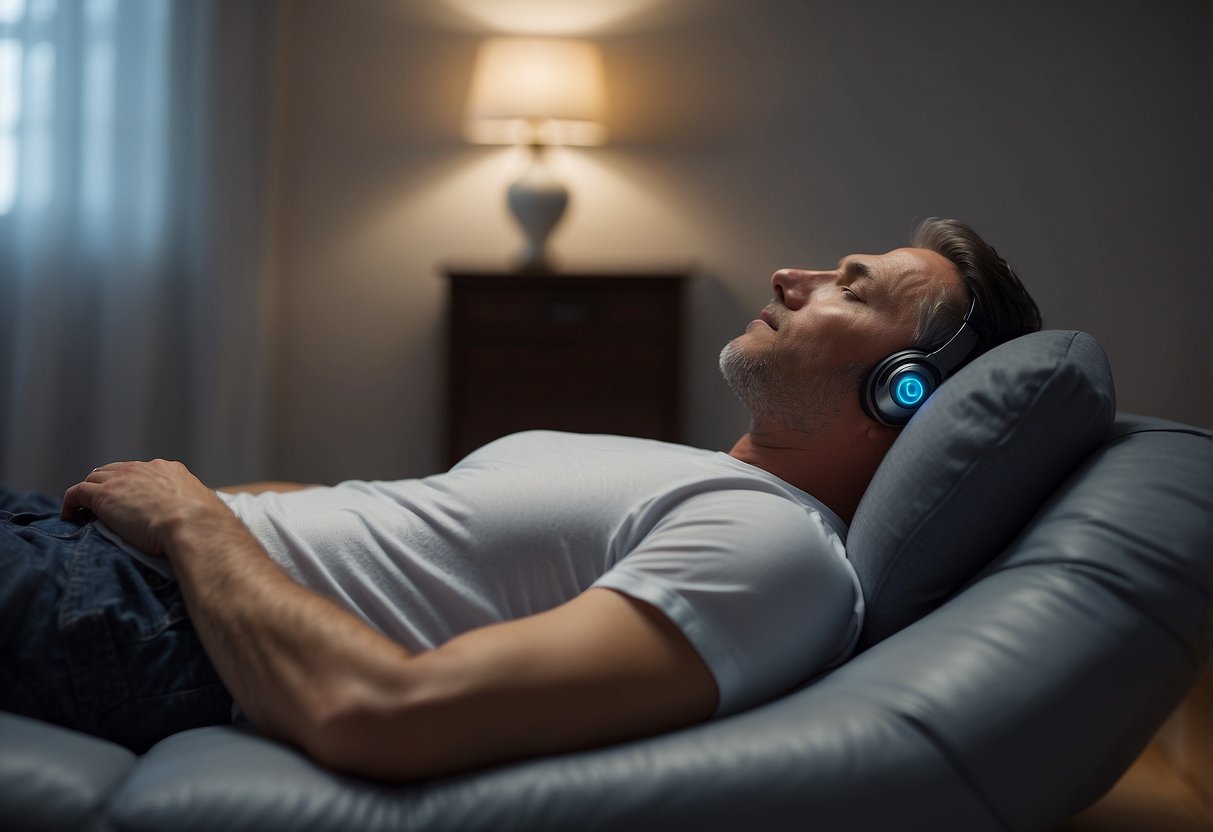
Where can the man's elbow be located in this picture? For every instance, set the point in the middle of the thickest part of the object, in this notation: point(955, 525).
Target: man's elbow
point(349, 737)
point(378, 736)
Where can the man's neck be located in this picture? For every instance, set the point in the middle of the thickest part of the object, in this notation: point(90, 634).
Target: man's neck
point(834, 465)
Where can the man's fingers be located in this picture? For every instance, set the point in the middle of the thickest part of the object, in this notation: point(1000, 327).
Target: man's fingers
point(111, 467)
point(107, 472)
point(79, 497)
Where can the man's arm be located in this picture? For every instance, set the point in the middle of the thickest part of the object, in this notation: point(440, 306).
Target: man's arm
point(263, 487)
point(599, 669)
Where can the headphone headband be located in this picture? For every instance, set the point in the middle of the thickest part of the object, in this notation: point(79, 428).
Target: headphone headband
point(952, 354)
point(898, 385)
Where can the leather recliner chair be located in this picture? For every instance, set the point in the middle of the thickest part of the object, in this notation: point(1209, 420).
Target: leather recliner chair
point(1037, 581)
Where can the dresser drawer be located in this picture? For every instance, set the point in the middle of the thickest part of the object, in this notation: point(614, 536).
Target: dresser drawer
point(559, 310)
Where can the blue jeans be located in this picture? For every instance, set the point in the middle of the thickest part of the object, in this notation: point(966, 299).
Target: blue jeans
point(93, 640)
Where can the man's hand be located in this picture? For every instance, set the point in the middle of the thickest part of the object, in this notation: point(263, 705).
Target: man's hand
point(145, 502)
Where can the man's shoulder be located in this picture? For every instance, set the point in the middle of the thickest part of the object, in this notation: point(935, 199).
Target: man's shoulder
point(748, 496)
point(756, 515)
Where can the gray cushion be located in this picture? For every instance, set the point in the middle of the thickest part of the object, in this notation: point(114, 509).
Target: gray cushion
point(53, 778)
point(972, 467)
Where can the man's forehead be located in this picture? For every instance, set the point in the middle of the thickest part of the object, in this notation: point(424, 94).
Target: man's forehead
point(907, 269)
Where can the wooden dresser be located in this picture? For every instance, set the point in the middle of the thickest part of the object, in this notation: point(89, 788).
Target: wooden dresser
point(586, 351)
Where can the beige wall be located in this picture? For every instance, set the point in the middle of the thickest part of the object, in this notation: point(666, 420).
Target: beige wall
point(748, 135)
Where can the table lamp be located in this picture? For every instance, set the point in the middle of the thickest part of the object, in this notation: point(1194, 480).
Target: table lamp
point(537, 92)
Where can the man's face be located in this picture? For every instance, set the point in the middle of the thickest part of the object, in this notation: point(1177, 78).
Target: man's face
point(804, 356)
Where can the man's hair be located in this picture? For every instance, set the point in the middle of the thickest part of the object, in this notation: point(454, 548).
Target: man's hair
point(1004, 308)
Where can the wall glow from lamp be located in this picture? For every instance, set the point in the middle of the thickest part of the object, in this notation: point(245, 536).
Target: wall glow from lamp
point(550, 17)
point(537, 92)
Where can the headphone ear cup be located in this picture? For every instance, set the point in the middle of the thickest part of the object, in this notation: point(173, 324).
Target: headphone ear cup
point(900, 384)
point(897, 386)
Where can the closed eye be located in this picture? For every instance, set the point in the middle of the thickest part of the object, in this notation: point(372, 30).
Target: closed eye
point(850, 294)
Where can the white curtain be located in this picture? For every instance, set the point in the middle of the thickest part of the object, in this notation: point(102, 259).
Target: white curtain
point(136, 182)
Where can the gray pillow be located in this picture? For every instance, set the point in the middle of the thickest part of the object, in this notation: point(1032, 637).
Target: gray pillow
point(972, 467)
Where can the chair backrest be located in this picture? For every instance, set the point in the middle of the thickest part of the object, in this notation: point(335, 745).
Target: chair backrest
point(972, 467)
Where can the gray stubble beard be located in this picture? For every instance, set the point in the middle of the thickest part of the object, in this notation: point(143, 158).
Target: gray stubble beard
point(770, 399)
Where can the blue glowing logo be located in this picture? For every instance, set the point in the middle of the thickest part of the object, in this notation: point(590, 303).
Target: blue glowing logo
point(909, 391)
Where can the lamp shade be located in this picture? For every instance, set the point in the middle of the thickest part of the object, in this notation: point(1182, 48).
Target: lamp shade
point(537, 91)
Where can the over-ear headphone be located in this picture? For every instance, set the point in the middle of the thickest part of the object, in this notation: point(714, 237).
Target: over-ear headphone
point(897, 386)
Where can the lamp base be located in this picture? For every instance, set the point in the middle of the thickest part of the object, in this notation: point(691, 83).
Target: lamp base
point(537, 201)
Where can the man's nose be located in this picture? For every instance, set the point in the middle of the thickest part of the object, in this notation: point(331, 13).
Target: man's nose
point(793, 287)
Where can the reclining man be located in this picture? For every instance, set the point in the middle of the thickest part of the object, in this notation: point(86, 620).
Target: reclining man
point(550, 592)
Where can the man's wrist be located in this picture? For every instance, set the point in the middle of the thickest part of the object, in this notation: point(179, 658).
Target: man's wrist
point(200, 524)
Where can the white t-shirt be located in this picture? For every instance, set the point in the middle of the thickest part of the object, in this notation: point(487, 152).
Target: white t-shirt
point(750, 569)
